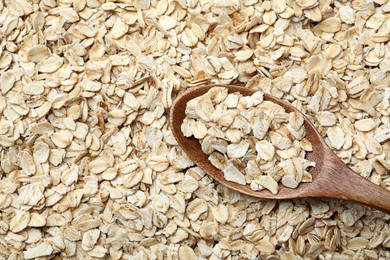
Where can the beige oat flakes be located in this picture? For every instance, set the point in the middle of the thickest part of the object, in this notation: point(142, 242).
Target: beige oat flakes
point(85, 145)
point(260, 155)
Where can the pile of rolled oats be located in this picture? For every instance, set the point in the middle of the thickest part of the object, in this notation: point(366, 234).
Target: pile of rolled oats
point(90, 168)
point(251, 140)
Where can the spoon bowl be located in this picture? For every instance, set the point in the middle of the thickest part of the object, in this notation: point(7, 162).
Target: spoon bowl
point(331, 177)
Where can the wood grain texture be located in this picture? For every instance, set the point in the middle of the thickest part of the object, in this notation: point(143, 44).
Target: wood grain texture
point(331, 177)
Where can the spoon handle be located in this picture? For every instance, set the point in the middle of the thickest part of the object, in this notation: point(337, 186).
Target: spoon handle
point(343, 183)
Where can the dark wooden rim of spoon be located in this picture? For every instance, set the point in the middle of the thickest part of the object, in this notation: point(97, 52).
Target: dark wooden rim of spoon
point(331, 177)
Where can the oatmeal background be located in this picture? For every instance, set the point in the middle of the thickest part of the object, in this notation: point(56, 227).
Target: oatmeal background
point(89, 166)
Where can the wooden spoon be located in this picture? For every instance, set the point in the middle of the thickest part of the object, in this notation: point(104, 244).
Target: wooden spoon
point(331, 177)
